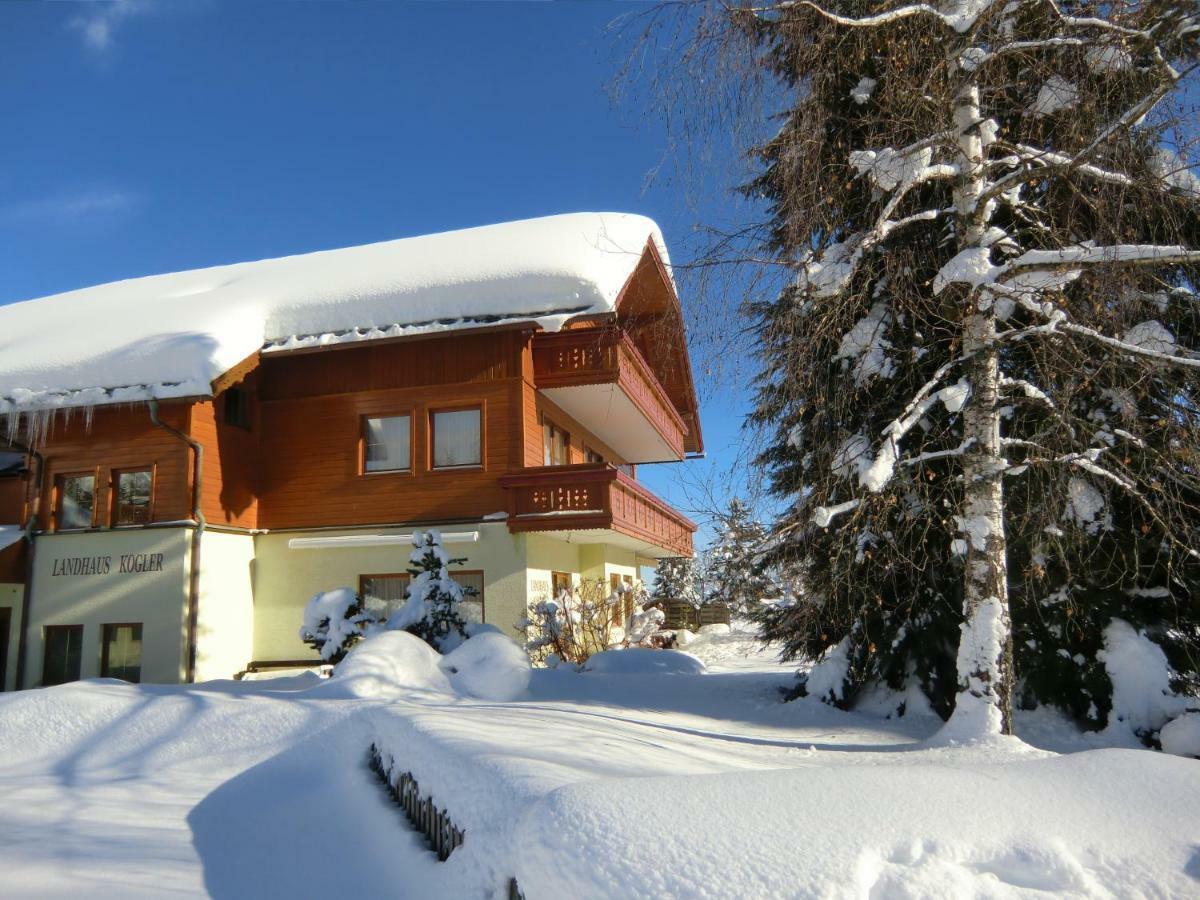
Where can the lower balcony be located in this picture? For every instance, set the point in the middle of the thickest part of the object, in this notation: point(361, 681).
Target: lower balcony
point(596, 503)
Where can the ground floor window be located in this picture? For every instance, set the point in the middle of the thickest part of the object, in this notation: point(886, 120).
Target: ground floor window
point(382, 595)
point(121, 652)
point(471, 608)
point(559, 582)
point(63, 653)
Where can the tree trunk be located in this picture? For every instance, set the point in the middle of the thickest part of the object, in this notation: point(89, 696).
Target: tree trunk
point(984, 702)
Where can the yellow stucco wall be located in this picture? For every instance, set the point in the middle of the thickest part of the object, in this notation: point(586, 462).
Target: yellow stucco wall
point(285, 579)
point(11, 596)
point(157, 599)
point(225, 623)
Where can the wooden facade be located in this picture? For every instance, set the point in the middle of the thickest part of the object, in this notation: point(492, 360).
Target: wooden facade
point(282, 439)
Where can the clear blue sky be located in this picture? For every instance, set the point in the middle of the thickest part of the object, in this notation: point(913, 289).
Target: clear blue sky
point(144, 137)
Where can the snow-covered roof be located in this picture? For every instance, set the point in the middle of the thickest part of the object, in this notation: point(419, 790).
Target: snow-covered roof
point(171, 335)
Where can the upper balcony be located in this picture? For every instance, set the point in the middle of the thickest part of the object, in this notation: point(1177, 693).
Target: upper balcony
point(600, 500)
point(599, 377)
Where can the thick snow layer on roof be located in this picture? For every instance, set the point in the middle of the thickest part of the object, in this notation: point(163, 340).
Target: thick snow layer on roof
point(171, 335)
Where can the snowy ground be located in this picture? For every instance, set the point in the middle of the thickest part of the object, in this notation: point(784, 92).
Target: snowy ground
point(590, 785)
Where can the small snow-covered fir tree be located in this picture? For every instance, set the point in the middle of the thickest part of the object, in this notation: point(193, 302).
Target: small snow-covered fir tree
point(981, 377)
point(734, 573)
point(334, 621)
point(676, 579)
point(431, 608)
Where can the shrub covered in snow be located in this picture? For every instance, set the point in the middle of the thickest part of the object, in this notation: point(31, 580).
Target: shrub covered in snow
point(734, 575)
point(576, 623)
point(431, 609)
point(488, 665)
point(1181, 736)
point(388, 664)
point(333, 622)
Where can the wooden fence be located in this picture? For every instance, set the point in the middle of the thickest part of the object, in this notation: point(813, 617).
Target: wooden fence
point(442, 835)
point(680, 614)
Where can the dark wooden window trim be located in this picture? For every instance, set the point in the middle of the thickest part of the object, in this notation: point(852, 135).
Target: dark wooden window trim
point(105, 631)
point(412, 442)
point(59, 478)
point(430, 416)
point(239, 416)
point(555, 577)
point(114, 498)
point(46, 631)
point(552, 425)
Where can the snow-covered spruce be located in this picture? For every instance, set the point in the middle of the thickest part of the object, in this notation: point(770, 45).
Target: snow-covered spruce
point(430, 610)
point(982, 379)
point(334, 621)
point(734, 574)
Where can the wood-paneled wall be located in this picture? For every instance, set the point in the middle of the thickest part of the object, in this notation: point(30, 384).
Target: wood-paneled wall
point(121, 438)
point(12, 499)
point(230, 469)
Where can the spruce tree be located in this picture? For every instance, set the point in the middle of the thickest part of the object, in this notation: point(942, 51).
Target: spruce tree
point(980, 380)
point(675, 580)
point(734, 574)
point(431, 609)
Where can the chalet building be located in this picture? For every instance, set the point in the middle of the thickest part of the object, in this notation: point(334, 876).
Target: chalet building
point(186, 459)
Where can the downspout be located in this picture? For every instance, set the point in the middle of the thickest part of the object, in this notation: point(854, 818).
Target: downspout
point(193, 603)
point(27, 594)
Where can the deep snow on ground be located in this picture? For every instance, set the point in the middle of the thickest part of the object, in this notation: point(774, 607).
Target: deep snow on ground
point(589, 785)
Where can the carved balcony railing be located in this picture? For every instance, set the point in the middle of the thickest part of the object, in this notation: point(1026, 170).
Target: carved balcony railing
point(594, 496)
point(608, 356)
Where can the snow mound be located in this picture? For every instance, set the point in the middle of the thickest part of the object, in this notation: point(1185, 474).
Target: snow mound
point(941, 824)
point(387, 665)
point(642, 661)
point(714, 628)
point(171, 335)
point(490, 666)
point(1181, 736)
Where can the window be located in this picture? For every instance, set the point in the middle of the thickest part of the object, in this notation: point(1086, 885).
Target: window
point(131, 497)
point(556, 445)
point(235, 409)
point(471, 607)
point(121, 652)
point(559, 582)
point(387, 444)
point(64, 650)
point(456, 438)
point(382, 595)
point(590, 455)
point(628, 469)
point(76, 501)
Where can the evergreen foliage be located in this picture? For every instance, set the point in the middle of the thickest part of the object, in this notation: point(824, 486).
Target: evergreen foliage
point(734, 575)
point(334, 621)
point(676, 579)
point(981, 382)
point(431, 609)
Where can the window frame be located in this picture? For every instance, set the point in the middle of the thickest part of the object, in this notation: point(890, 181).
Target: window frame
point(362, 582)
point(593, 457)
point(549, 425)
point(554, 576)
point(430, 423)
point(412, 442)
point(482, 589)
point(114, 496)
point(46, 630)
point(104, 640)
point(56, 510)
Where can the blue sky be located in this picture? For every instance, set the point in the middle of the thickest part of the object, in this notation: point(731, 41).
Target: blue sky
point(145, 137)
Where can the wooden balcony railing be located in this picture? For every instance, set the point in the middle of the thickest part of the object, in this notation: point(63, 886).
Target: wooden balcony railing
point(608, 356)
point(594, 496)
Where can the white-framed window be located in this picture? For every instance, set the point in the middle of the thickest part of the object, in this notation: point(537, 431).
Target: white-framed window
point(387, 443)
point(457, 438)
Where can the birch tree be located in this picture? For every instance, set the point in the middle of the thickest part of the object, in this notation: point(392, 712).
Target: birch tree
point(991, 228)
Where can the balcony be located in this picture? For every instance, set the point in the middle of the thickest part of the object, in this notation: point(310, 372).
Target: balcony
point(601, 379)
point(596, 503)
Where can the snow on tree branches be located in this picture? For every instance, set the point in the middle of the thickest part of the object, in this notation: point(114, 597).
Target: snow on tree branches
point(431, 608)
point(334, 621)
point(982, 377)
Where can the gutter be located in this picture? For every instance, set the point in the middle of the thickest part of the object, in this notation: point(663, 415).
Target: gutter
point(193, 603)
point(27, 593)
